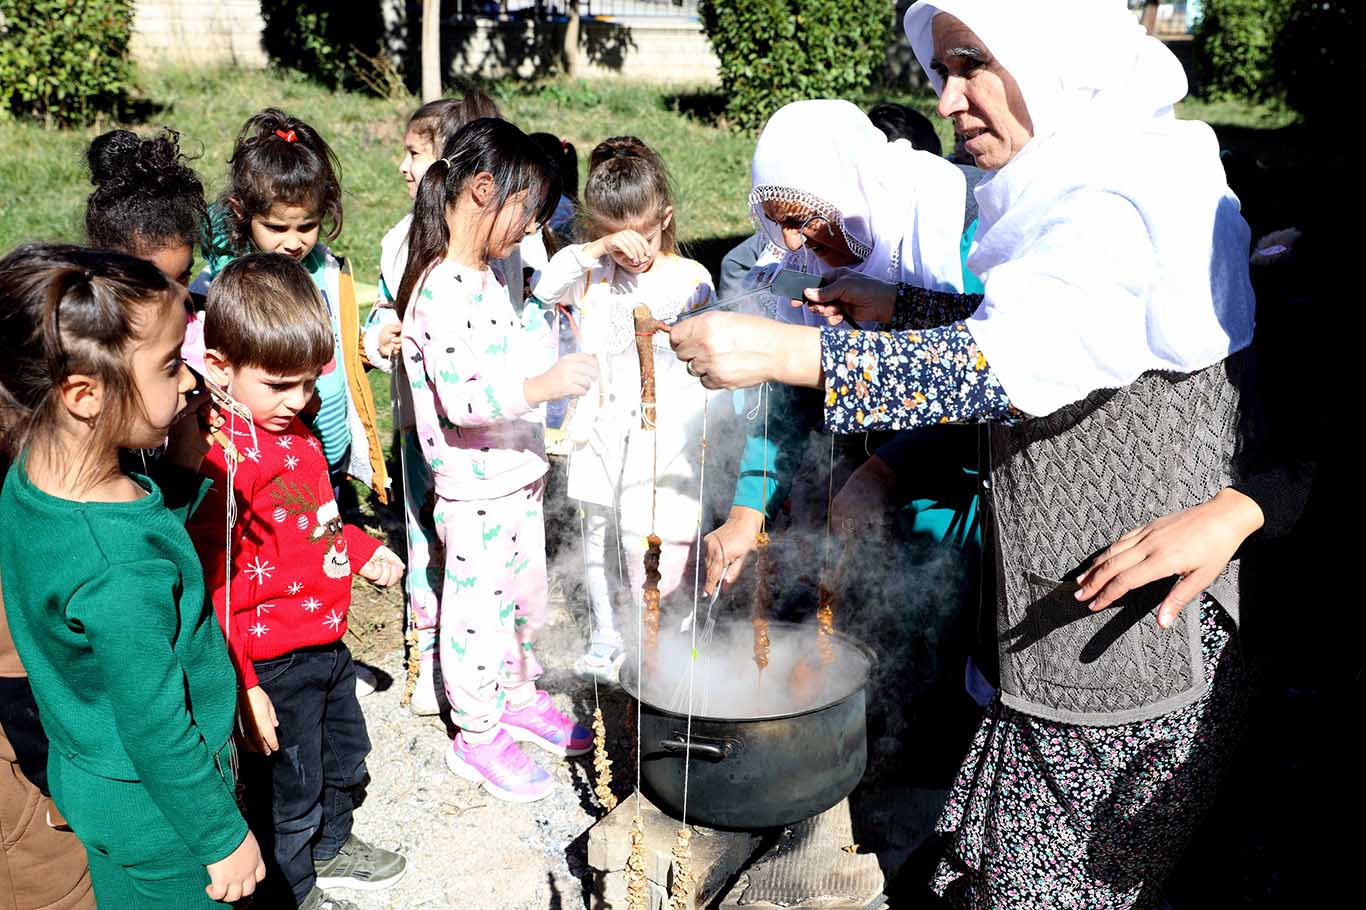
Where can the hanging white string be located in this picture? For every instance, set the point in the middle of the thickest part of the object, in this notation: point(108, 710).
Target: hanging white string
point(696, 594)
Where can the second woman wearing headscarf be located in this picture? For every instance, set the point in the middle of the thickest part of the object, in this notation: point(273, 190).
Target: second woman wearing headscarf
point(832, 196)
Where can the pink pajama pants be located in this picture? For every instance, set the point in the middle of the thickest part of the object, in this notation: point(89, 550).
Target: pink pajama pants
point(493, 602)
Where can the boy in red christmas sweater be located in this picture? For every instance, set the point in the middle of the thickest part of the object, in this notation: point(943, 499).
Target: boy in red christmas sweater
point(268, 337)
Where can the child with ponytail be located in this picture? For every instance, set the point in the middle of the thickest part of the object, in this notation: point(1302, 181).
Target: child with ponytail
point(103, 590)
point(283, 194)
point(615, 468)
point(478, 377)
point(428, 130)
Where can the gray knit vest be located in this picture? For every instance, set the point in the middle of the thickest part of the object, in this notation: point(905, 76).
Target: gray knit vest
point(1064, 487)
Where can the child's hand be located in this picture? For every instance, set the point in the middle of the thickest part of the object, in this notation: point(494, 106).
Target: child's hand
point(629, 245)
point(390, 336)
point(384, 568)
point(572, 374)
point(235, 876)
point(260, 721)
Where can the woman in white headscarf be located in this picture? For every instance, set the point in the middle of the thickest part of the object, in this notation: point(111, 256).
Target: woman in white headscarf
point(1106, 352)
point(831, 195)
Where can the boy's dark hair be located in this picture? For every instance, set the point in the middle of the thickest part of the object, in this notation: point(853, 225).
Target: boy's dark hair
point(565, 156)
point(437, 121)
point(263, 310)
point(627, 182)
point(488, 146)
point(897, 121)
point(70, 310)
point(279, 158)
point(146, 197)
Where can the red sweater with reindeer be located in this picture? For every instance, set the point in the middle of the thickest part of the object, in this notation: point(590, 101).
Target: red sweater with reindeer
point(292, 557)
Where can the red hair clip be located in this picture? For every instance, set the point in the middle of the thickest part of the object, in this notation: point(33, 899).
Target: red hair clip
point(289, 136)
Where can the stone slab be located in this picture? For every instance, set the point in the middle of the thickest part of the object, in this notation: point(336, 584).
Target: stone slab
point(716, 855)
point(815, 864)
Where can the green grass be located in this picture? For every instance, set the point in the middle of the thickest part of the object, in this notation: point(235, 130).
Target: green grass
point(44, 183)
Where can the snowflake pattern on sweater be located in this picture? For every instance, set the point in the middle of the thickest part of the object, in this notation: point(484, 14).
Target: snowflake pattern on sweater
point(292, 556)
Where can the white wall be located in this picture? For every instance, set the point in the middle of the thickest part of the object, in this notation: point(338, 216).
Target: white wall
point(198, 31)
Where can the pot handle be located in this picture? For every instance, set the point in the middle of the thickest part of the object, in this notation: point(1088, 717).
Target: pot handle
point(707, 750)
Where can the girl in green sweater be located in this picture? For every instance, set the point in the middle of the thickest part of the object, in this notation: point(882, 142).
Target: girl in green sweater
point(103, 589)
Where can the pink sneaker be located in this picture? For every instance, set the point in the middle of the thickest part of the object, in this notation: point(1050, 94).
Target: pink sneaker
point(500, 767)
point(541, 723)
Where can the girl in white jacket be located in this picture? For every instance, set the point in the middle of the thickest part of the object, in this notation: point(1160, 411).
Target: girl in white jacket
point(615, 466)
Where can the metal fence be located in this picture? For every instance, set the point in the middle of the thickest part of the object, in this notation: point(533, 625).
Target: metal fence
point(549, 10)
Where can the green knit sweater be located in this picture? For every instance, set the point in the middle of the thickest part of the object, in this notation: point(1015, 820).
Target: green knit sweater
point(127, 663)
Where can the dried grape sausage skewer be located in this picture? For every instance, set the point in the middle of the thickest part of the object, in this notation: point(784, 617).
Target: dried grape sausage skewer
point(680, 888)
point(825, 624)
point(763, 596)
point(646, 325)
point(651, 592)
point(602, 765)
point(637, 886)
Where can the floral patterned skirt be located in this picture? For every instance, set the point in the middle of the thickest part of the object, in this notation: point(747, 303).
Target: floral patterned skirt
point(1053, 815)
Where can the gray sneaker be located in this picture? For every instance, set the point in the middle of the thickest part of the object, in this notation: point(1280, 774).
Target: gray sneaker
point(317, 900)
point(359, 865)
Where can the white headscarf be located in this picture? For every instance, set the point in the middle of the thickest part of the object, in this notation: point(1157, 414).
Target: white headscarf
point(899, 209)
point(1110, 245)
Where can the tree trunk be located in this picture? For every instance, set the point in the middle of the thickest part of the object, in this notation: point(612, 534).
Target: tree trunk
point(570, 52)
point(1149, 19)
point(431, 50)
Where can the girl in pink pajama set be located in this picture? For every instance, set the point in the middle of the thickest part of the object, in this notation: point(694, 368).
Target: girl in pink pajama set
point(478, 378)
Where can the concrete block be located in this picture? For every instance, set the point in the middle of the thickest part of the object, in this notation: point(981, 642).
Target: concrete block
point(813, 865)
point(716, 855)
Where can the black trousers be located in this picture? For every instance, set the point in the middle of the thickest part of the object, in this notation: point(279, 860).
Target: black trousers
point(303, 796)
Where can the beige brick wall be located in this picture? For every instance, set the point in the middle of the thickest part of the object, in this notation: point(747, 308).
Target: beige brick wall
point(201, 32)
point(649, 50)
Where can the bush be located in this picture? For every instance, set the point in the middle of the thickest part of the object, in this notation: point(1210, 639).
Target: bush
point(1320, 58)
point(324, 41)
point(64, 61)
point(1235, 48)
point(776, 51)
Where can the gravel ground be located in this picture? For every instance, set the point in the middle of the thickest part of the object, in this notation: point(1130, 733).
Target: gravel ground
point(465, 848)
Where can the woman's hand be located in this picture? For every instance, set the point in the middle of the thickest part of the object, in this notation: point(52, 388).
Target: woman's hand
point(629, 245)
point(390, 335)
point(729, 546)
point(732, 351)
point(260, 721)
point(572, 374)
point(1195, 544)
point(383, 569)
point(852, 296)
point(235, 876)
point(865, 499)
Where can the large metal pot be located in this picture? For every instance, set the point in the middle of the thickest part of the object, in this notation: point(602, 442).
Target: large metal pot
point(756, 772)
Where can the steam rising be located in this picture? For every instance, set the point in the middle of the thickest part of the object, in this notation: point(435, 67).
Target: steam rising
point(728, 684)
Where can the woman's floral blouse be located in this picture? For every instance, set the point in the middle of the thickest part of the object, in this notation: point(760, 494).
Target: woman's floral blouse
point(929, 372)
point(918, 308)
